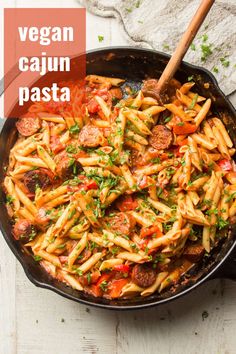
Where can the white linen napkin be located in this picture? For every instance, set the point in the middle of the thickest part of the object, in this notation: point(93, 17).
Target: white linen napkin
point(159, 24)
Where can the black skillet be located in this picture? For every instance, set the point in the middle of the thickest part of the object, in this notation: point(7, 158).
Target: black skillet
point(133, 65)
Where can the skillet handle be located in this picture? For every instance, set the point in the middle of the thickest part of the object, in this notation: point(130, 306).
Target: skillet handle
point(228, 268)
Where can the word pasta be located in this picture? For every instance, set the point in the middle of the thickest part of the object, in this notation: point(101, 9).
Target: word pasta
point(45, 94)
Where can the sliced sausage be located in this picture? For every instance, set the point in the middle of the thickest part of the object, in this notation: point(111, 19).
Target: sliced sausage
point(67, 167)
point(90, 136)
point(143, 275)
point(84, 256)
point(149, 88)
point(161, 137)
point(194, 253)
point(24, 230)
point(122, 223)
point(28, 124)
point(116, 93)
point(42, 217)
point(41, 178)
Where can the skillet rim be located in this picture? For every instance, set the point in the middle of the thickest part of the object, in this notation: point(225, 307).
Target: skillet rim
point(46, 285)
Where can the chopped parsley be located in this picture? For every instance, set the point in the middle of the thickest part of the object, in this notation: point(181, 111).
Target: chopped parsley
point(61, 246)
point(206, 51)
point(32, 234)
point(215, 69)
point(166, 46)
point(89, 278)
point(37, 258)
point(156, 160)
point(71, 214)
point(103, 285)
point(231, 197)
point(194, 101)
point(9, 199)
point(100, 38)
point(168, 119)
point(75, 129)
point(79, 271)
point(71, 149)
point(224, 62)
point(193, 46)
point(221, 223)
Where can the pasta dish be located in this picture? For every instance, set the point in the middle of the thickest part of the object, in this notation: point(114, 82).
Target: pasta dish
point(117, 194)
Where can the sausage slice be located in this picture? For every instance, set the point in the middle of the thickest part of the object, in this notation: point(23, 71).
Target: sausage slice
point(37, 178)
point(66, 169)
point(28, 125)
point(161, 137)
point(143, 275)
point(90, 136)
point(149, 88)
point(122, 223)
point(84, 256)
point(24, 230)
point(194, 253)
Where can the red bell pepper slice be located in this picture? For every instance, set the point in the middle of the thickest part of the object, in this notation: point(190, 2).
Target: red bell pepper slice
point(184, 128)
point(116, 287)
point(127, 203)
point(225, 165)
point(93, 106)
point(124, 268)
point(148, 231)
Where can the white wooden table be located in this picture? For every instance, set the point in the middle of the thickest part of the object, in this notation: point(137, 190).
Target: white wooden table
point(37, 321)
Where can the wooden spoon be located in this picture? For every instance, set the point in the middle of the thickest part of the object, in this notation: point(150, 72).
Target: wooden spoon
point(183, 45)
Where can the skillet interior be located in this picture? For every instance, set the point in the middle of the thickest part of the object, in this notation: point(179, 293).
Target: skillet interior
point(133, 65)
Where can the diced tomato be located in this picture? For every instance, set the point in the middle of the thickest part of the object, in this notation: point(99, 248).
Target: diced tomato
point(91, 185)
point(116, 287)
point(143, 243)
point(184, 128)
point(96, 288)
point(164, 156)
point(95, 276)
point(86, 281)
point(225, 165)
point(103, 277)
point(151, 230)
point(93, 106)
point(181, 140)
point(143, 183)
point(63, 259)
point(127, 203)
point(84, 184)
point(56, 145)
point(177, 153)
point(125, 268)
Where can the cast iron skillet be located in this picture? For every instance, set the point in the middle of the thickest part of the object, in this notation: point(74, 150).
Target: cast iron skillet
point(134, 65)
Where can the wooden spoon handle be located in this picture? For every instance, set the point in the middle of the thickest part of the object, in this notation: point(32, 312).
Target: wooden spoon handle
point(184, 44)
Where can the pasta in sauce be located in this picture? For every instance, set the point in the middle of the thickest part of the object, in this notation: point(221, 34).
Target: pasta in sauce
point(118, 195)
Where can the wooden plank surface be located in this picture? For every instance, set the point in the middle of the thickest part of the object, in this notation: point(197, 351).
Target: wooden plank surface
point(37, 321)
